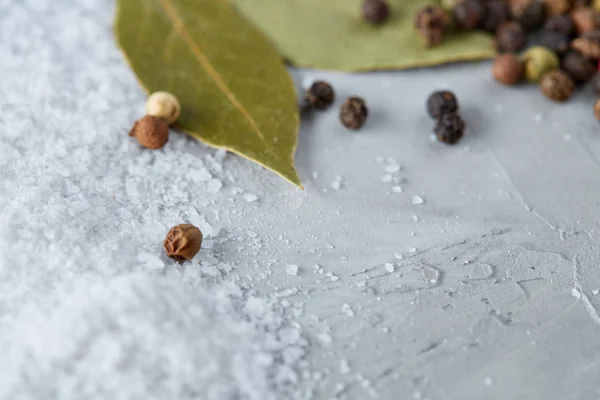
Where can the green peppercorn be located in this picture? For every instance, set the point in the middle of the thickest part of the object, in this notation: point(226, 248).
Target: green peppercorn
point(537, 61)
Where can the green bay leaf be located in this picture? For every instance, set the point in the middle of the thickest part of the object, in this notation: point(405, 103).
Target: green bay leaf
point(234, 91)
point(330, 34)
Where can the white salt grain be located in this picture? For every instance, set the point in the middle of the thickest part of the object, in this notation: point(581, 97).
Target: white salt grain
point(214, 185)
point(576, 293)
point(292, 269)
point(386, 178)
point(392, 168)
point(397, 189)
point(416, 200)
point(250, 198)
point(389, 267)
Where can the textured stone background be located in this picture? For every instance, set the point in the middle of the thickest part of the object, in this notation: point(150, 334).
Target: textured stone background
point(487, 289)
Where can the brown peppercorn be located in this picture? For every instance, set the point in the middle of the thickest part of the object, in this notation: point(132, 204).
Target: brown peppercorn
point(441, 102)
point(431, 23)
point(585, 19)
point(529, 13)
point(450, 128)
point(183, 242)
point(588, 45)
point(469, 14)
point(595, 84)
point(510, 37)
point(151, 132)
point(320, 95)
point(507, 69)
point(558, 7)
point(375, 12)
point(578, 67)
point(497, 12)
point(597, 109)
point(561, 24)
point(557, 85)
point(353, 113)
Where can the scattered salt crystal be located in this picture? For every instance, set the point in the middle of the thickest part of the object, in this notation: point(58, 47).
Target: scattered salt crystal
point(315, 174)
point(417, 200)
point(292, 269)
point(386, 178)
point(415, 218)
point(347, 310)
point(389, 267)
point(329, 246)
point(397, 189)
point(595, 292)
point(392, 168)
point(575, 293)
point(332, 277)
point(214, 185)
point(412, 250)
point(337, 183)
point(398, 256)
point(344, 367)
point(325, 338)
point(250, 198)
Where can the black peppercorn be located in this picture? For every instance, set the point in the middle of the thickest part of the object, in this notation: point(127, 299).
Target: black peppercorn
point(578, 67)
point(561, 24)
point(450, 128)
point(555, 41)
point(510, 37)
point(375, 12)
point(595, 84)
point(588, 45)
point(497, 12)
point(431, 22)
point(353, 113)
point(469, 14)
point(441, 102)
point(320, 95)
point(529, 13)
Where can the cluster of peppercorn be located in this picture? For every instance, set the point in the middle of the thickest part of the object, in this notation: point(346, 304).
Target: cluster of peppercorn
point(353, 112)
point(442, 106)
point(564, 39)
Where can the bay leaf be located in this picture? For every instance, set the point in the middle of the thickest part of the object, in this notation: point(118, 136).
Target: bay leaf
point(330, 34)
point(234, 90)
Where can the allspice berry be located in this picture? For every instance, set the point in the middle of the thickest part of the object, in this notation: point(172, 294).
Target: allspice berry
point(375, 12)
point(441, 102)
point(529, 13)
point(561, 24)
point(431, 22)
point(578, 67)
point(183, 242)
point(507, 69)
point(353, 113)
point(469, 14)
point(497, 12)
point(585, 19)
point(151, 132)
point(557, 85)
point(558, 7)
point(597, 109)
point(165, 106)
point(320, 95)
point(537, 61)
point(588, 45)
point(511, 37)
point(555, 41)
point(450, 128)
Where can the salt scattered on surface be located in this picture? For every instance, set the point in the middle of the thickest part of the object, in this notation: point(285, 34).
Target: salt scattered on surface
point(398, 256)
point(416, 200)
point(576, 293)
point(214, 185)
point(397, 189)
point(386, 178)
point(595, 292)
point(344, 367)
point(389, 267)
point(250, 198)
point(292, 269)
point(392, 168)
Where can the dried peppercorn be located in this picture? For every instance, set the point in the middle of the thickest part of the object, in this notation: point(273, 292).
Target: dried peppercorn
point(557, 85)
point(441, 102)
point(595, 84)
point(497, 12)
point(511, 37)
point(555, 41)
point(507, 69)
point(585, 19)
point(578, 67)
point(320, 95)
point(375, 12)
point(450, 128)
point(597, 109)
point(431, 23)
point(561, 24)
point(353, 113)
point(558, 7)
point(469, 14)
point(537, 61)
point(183, 242)
point(529, 13)
point(588, 45)
point(151, 132)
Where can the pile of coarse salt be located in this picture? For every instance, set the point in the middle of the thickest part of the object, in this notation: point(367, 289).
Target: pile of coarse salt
point(142, 337)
